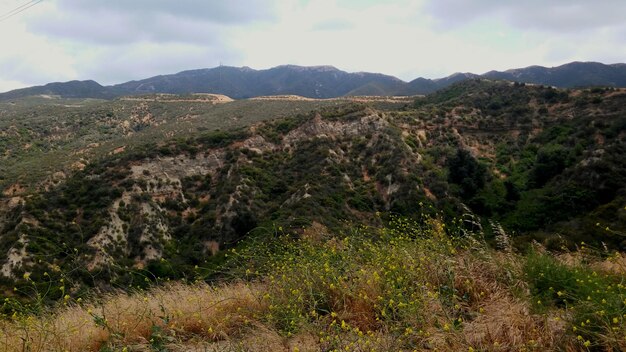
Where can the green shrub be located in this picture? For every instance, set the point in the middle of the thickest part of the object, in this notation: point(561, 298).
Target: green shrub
point(596, 301)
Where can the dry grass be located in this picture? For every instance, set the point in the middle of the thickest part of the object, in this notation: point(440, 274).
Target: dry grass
point(613, 264)
point(492, 317)
point(506, 324)
point(365, 292)
point(212, 313)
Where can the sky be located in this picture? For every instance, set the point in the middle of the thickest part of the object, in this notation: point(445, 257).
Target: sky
point(114, 41)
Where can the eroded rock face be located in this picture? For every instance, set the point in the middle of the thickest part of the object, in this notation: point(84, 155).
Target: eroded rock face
point(162, 178)
point(17, 258)
point(14, 190)
point(162, 181)
point(319, 127)
point(258, 144)
point(13, 202)
point(178, 167)
point(114, 236)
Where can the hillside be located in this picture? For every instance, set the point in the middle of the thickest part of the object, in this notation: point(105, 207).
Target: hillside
point(575, 74)
point(321, 82)
point(262, 198)
point(42, 137)
point(544, 164)
point(403, 287)
point(72, 89)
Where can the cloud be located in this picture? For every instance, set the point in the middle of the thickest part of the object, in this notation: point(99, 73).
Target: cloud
point(382, 38)
point(114, 41)
point(119, 22)
point(30, 59)
point(7, 85)
point(138, 61)
point(332, 25)
point(557, 15)
point(118, 40)
point(121, 29)
point(225, 12)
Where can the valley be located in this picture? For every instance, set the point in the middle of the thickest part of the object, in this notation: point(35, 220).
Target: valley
point(102, 196)
point(137, 180)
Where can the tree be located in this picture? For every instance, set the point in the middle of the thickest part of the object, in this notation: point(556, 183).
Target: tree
point(467, 172)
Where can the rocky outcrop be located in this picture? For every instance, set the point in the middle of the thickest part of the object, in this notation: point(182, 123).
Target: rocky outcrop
point(319, 127)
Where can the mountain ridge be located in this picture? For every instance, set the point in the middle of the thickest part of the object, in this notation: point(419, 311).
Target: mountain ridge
point(322, 82)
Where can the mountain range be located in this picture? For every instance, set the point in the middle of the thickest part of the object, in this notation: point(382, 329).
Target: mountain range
point(320, 82)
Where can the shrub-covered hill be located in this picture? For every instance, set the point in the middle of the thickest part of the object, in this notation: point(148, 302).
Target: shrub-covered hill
point(407, 286)
point(535, 162)
point(44, 139)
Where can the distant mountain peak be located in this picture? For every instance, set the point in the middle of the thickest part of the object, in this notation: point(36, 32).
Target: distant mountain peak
point(320, 68)
point(456, 77)
point(322, 81)
point(570, 75)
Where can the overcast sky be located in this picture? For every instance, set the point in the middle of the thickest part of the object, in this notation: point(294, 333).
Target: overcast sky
point(113, 41)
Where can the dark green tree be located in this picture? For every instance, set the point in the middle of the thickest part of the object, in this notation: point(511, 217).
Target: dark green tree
point(467, 172)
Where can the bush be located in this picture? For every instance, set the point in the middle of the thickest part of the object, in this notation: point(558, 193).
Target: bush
point(467, 172)
point(596, 301)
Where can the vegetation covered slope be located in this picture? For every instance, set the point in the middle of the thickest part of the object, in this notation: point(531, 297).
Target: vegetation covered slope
point(42, 136)
point(532, 161)
point(406, 286)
